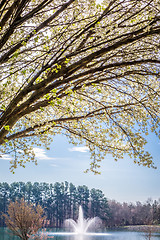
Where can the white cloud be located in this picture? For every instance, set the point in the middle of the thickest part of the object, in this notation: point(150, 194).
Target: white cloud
point(79, 149)
point(5, 157)
point(40, 154)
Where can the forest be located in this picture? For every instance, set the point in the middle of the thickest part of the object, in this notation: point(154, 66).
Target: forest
point(61, 201)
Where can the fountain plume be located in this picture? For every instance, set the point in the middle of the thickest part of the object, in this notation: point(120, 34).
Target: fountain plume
point(82, 225)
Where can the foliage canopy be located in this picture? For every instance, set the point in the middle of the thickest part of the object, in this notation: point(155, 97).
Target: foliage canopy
point(85, 70)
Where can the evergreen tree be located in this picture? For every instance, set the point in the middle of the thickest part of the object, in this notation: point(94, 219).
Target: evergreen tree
point(83, 198)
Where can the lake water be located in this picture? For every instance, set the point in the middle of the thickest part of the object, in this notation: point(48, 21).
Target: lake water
point(111, 235)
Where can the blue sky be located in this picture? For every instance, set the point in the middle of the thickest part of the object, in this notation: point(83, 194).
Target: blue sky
point(122, 180)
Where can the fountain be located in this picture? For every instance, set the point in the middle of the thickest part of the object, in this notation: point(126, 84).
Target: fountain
point(80, 227)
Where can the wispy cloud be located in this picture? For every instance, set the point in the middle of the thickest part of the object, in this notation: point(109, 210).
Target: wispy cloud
point(40, 154)
point(5, 157)
point(79, 149)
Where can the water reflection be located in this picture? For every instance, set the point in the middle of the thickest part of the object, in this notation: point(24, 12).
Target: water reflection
point(110, 235)
point(114, 235)
point(75, 236)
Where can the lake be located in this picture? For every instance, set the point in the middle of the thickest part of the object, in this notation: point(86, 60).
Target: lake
point(111, 235)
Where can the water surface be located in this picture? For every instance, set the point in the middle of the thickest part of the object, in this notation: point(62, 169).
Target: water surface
point(108, 235)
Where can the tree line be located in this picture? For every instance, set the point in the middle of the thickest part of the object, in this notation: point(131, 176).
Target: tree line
point(122, 214)
point(61, 201)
